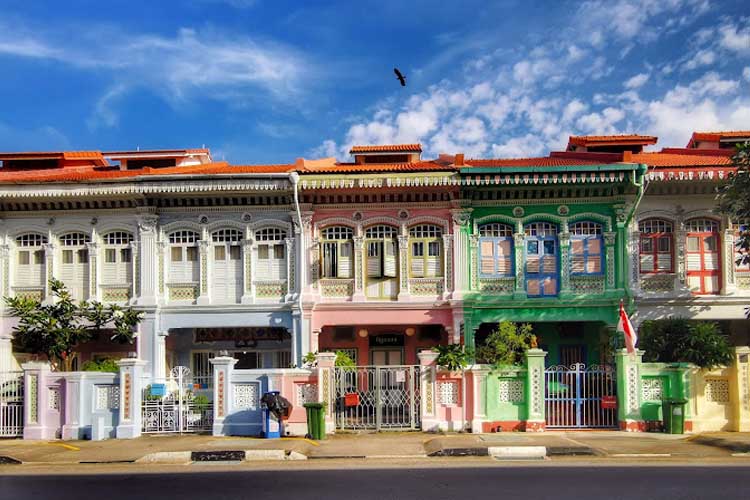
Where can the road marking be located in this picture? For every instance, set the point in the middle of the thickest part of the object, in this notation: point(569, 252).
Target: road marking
point(66, 446)
point(309, 441)
point(643, 455)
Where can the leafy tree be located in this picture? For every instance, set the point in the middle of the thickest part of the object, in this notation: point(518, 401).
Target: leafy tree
point(734, 197)
point(508, 344)
point(680, 340)
point(58, 327)
point(454, 357)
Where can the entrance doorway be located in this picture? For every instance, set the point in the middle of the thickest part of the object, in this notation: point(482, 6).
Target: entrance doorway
point(387, 357)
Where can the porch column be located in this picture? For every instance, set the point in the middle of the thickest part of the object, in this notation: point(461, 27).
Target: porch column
point(403, 267)
point(428, 368)
point(35, 374)
point(131, 394)
point(563, 239)
point(204, 290)
point(479, 395)
point(223, 366)
point(519, 240)
point(741, 396)
point(150, 263)
point(461, 260)
point(628, 390)
point(160, 355)
point(359, 269)
point(536, 418)
point(326, 362)
point(74, 406)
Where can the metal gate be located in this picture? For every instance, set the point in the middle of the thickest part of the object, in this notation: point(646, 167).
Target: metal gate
point(11, 404)
point(180, 403)
point(580, 396)
point(377, 398)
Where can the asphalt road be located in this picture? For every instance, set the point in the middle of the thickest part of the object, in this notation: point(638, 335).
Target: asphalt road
point(578, 483)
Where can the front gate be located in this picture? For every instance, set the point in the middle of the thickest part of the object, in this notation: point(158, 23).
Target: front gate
point(578, 396)
point(11, 404)
point(179, 404)
point(377, 398)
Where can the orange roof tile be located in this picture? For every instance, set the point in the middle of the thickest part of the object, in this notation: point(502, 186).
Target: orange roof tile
point(357, 168)
point(117, 154)
point(545, 161)
point(717, 136)
point(387, 148)
point(680, 160)
point(609, 140)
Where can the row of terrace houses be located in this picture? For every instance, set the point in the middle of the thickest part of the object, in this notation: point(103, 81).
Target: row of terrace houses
point(381, 257)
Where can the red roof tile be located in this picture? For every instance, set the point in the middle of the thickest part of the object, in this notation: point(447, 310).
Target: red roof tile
point(357, 168)
point(117, 154)
point(545, 161)
point(610, 140)
point(387, 148)
point(680, 160)
point(93, 156)
point(717, 136)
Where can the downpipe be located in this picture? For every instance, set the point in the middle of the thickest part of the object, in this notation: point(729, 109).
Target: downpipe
point(294, 178)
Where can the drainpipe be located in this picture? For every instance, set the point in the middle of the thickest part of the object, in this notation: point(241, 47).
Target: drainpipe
point(294, 178)
point(641, 191)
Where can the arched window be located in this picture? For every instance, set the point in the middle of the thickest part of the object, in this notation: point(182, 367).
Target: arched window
point(30, 260)
point(586, 246)
point(183, 255)
point(226, 275)
point(657, 246)
point(270, 254)
point(381, 251)
point(74, 266)
point(426, 243)
point(336, 252)
point(117, 268)
point(495, 250)
point(542, 276)
point(702, 256)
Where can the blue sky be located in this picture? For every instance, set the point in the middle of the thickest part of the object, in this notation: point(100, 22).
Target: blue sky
point(268, 81)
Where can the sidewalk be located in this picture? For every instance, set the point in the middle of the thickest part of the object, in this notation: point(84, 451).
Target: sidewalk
point(187, 448)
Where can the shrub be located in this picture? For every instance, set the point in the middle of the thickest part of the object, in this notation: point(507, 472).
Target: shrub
point(453, 356)
point(102, 365)
point(680, 340)
point(507, 345)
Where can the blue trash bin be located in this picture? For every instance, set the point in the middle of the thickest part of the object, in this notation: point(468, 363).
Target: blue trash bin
point(271, 425)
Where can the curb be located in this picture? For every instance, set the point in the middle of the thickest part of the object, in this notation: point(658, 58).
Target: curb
point(188, 457)
point(6, 460)
point(518, 452)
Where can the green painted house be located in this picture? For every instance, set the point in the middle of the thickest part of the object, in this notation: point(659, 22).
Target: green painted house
point(545, 242)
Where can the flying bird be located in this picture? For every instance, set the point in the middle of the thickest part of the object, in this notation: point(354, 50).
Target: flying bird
point(401, 78)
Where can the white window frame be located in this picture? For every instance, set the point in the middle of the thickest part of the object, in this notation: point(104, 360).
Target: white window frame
point(425, 244)
point(117, 258)
point(30, 247)
point(496, 234)
point(270, 254)
point(185, 243)
point(337, 248)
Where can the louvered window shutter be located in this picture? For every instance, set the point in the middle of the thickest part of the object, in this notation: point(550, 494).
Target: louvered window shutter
point(345, 260)
point(391, 269)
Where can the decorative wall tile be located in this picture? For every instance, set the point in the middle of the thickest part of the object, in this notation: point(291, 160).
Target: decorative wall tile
point(652, 389)
point(116, 294)
point(53, 398)
point(717, 390)
point(497, 285)
point(306, 393)
point(183, 292)
point(426, 286)
point(107, 397)
point(587, 284)
point(511, 391)
point(336, 287)
point(448, 393)
point(246, 396)
point(632, 388)
point(657, 283)
point(34, 399)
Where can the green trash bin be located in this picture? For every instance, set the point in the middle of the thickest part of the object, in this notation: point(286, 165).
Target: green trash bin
point(316, 422)
point(673, 411)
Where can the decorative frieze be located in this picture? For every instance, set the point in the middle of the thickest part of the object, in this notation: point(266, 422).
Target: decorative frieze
point(183, 292)
point(497, 285)
point(426, 286)
point(336, 287)
point(270, 289)
point(586, 284)
point(657, 283)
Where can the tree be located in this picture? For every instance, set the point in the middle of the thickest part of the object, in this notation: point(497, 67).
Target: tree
point(734, 198)
point(675, 340)
point(507, 345)
point(58, 327)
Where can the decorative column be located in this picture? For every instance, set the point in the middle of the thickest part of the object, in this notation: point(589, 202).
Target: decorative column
point(679, 242)
point(326, 362)
point(461, 259)
point(49, 262)
point(204, 293)
point(428, 369)
point(306, 270)
point(519, 240)
point(93, 249)
point(5, 279)
point(131, 394)
point(161, 249)
point(135, 286)
point(74, 406)
point(729, 285)
point(315, 265)
point(403, 267)
point(634, 262)
point(160, 355)
point(473, 259)
point(223, 367)
point(563, 239)
point(7, 362)
point(609, 244)
point(536, 419)
point(629, 390)
point(248, 296)
point(479, 392)
point(447, 266)
point(35, 374)
point(150, 263)
point(741, 396)
point(291, 270)
point(359, 269)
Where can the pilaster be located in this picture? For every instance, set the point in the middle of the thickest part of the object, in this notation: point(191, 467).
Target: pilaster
point(5, 258)
point(563, 239)
point(628, 390)
point(741, 396)
point(223, 366)
point(74, 406)
point(403, 267)
point(204, 294)
point(291, 270)
point(247, 271)
point(326, 362)
point(536, 415)
point(474, 262)
point(131, 394)
point(428, 368)
point(359, 269)
point(447, 266)
point(519, 241)
point(93, 249)
point(461, 261)
point(729, 285)
point(634, 263)
point(479, 391)
point(150, 263)
point(135, 287)
point(35, 376)
point(50, 264)
point(610, 238)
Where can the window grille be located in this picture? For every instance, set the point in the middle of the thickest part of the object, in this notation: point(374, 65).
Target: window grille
point(702, 226)
point(226, 236)
point(74, 240)
point(540, 229)
point(117, 238)
point(31, 240)
point(270, 234)
point(182, 237)
point(495, 230)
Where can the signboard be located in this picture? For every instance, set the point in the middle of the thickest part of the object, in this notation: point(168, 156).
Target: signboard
point(609, 402)
point(351, 399)
point(387, 340)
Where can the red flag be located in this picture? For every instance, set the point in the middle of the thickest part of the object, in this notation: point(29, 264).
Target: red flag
point(626, 327)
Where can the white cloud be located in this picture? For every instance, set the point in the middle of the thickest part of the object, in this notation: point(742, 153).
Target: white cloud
point(704, 57)
point(519, 147)
point(103, 114)
point(636, 81)
point(735, 37)
point(746, 73)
